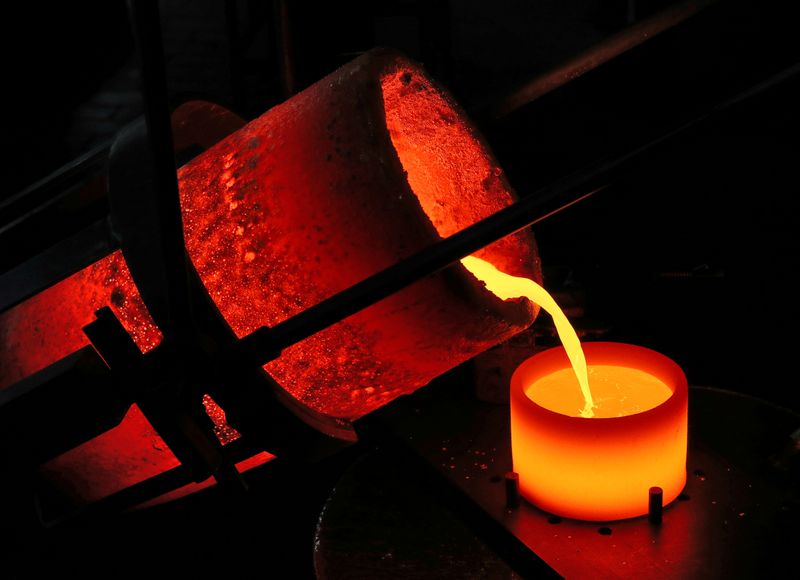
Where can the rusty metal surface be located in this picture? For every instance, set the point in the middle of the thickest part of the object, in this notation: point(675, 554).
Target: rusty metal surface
point(735, 517)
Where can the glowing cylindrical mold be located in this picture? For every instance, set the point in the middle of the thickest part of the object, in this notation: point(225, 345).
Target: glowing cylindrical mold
point(599, 468)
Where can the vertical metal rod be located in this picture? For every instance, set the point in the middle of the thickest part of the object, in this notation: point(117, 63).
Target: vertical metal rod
point(512, 490)
point(655, 505)
point(146, 23)
point(283, 46)
point(234, 52)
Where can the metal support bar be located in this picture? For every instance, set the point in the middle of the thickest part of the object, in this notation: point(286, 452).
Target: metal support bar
point(147, 30)
point(46, 191)
point(148, 489)
point(283, 46)
point(180, 421)
point(266, 343)
point(56, 263)
point(597, 55)
point(60, 407)
point(235, 52)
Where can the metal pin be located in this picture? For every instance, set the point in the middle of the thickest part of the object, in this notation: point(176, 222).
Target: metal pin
point(512, 490)
point(655, 507)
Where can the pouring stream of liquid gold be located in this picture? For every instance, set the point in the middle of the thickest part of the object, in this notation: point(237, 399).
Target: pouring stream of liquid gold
point(505, 287)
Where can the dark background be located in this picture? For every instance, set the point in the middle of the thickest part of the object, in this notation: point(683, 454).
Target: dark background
point(693, 251)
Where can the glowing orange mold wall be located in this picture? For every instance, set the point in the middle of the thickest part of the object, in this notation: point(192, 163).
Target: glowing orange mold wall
point(368, 166)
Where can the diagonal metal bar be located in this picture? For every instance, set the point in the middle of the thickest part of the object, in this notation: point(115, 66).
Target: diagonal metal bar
point(266, 343)
point(597, 55)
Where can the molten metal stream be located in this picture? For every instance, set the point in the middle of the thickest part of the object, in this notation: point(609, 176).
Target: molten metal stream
point(506, 287)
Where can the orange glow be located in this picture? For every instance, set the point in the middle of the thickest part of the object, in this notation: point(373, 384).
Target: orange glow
point(362, 169)
point(617, 391)
point(507, 287)
point(599, 469)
